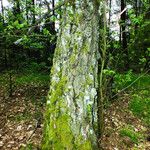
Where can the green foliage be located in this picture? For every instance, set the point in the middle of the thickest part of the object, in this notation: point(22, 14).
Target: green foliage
point(18, 25)
point(122, 80)
point(36, 67)
point(33, 69)
point(28, 147)
point(129, 132)
point(142, 83)
point(37, 79)
point(109, 72)
point(140, 103)
point(46, 32)
point(22, 40)
point(139, 38)
point(140, 106)
point(21, 116)
point(134, 20)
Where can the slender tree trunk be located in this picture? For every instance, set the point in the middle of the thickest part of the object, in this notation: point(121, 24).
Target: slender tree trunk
point(27, 11)
point(100, 78)
point(109, 19)
point(33, 11)
point(136, 13)
point(123, 35)
point(136, 8)
point(17, 11)
point(4, 39)
point(5, 56)
point(140, 7)
point(120, 36)
point(53, 13)
point(73, 118)
point(2, 9)
point(110, 4)
point(40, 5)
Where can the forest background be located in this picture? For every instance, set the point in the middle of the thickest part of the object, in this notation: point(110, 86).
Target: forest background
point(29, 33)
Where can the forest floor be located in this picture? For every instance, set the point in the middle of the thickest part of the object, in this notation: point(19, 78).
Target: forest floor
point(124, 130)
point(21, 118)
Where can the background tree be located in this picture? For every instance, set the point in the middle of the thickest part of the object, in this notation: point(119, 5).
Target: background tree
point(139, 29)
point(123, 34)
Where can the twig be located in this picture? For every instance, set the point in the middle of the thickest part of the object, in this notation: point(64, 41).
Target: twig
point(31, 135)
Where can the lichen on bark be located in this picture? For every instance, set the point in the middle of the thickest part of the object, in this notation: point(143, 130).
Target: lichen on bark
point(71, 112)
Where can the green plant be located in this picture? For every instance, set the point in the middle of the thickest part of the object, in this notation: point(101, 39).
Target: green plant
point(33, 79)
point(130, 133)
point(140, 106)
point(28, 147)
point(21, 116)
point(122, 80)
point(143, 83)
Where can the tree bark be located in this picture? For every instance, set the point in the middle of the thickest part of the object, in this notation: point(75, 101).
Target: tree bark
point(71, 120)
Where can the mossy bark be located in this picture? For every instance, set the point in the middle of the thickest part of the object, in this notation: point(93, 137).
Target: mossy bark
point(71, 115)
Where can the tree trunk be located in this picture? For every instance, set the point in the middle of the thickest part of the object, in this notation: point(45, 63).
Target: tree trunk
point(109, 20)
point(27, 11)
point(17, 11)
point(123, 35)
point(2, 10)
point(33, 12)
point(72, 105)
point(53, 13)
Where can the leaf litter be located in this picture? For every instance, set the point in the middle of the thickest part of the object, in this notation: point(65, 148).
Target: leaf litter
point(21, 122)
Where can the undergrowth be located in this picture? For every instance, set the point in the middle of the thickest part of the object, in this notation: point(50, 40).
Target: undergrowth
point(139, 93)
point(140, 106)
point(135, 137)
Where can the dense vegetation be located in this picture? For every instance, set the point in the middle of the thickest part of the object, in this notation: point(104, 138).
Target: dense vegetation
point(87, 51)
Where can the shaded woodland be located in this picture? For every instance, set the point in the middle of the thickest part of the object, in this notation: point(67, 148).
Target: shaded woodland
point(74, 74)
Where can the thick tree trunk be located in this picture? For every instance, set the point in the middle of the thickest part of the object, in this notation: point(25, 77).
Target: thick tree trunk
point(71, 115)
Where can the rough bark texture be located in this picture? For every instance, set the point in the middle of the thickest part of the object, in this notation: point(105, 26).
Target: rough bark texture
point(71, 115)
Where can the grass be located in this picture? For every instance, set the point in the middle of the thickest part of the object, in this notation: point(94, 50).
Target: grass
point(140, 99)
point(33, 74)
point(142, 83)
point(28, 147)
point(139, 92)
point(34, 78)
point(19, 117)
point(140, 106)
point(135, 137)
